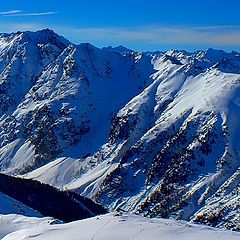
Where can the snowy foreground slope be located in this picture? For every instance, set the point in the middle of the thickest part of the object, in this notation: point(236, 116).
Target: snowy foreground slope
point(9, 205)
point(151, 133)
point(108, 227)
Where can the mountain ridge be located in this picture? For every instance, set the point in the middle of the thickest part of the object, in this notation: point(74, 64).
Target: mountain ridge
point(151, 133)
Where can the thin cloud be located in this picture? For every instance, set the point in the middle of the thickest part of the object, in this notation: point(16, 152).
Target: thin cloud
point(206, 35)
point(148, 36)
point(10, 12)
point(19, 13)
point(32, 14)
point(217, 27)
point(21, 26)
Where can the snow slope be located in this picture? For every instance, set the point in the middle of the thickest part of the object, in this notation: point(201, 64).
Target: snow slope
point(108, 227)
point(9, 205)
point(13, 223)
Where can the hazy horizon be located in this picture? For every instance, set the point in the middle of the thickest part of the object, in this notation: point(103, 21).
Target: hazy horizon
point(138, 25)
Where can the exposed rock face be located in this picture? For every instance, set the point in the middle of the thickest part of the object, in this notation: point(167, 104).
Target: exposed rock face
point(53, 94)
point(151, 133)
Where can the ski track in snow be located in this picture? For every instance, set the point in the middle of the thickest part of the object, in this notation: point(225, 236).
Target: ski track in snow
point(108, 227)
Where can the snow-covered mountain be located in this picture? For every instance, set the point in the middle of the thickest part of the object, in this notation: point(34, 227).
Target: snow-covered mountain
point(150, 133)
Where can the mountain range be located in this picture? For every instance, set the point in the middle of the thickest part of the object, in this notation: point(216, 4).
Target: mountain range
point(152, 133)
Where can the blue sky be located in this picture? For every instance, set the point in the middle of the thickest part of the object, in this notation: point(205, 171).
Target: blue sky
point(137, 24)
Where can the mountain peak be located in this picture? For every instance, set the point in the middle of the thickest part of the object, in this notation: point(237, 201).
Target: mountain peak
point(119, 49)
point(44, 36)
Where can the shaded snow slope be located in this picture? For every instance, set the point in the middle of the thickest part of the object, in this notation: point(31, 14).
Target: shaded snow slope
point(9, 205)
point(109, 227)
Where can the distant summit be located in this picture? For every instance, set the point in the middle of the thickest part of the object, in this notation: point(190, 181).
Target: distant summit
point(120, 49)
